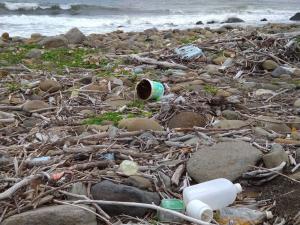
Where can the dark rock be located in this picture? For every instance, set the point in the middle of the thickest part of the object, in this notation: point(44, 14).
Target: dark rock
point(107, 190)
point(225, 159)
point(199, 23)
point(53, 215)
point(263, 20)
point(187, 120)
point(86, 80)
point(234, 20)
point(296, 17)
point(75, 36)
point(211, 22)
point(54, 42)
point(228, 27)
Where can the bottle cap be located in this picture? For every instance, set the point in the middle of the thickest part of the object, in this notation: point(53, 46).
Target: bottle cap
point(269, 215)
point(199, 210)
point(238, 188)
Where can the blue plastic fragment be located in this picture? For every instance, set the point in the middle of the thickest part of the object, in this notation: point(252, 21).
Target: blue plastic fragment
point(107, 156)
point(189, 52)
point(40, 159)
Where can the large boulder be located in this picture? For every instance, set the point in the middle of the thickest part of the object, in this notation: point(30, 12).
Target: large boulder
point(187, 120)
point(137, 124)
point(50, 86)
point(35, 38)
point(230, 124)
point(54, 42)
point(75, 36)
point(278, 126)
point(5, 36)
point(109, 191)
point(234, 20)
point(269, 65)
point(34, 54)
point(226, 159)
point(32, 105)
point(297, 103)
point(296, 17)
point(275, 158)
point(53, 215)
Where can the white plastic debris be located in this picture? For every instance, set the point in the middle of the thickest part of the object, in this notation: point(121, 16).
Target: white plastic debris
point(189, 52)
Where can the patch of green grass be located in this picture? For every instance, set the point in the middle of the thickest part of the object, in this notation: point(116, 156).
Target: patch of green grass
point(13, 87)
point(110, 69)
point(105, 73)
point(15, 55)
point(296, 82)
point(115, 117)
point(29, 46)
point(189, 40)
point(210, 89)
point(137, 104)
point(64, 57)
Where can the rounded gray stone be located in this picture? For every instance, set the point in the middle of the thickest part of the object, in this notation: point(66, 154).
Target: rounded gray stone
point(223, 160)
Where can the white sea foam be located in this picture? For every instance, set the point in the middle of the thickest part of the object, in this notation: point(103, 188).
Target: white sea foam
point(25, 25)
point(16, 6)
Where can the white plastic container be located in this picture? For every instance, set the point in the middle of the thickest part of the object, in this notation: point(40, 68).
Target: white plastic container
point(217, 193)
point(199, 210)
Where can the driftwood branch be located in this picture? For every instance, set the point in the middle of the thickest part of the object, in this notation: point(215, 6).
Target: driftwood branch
point(156, 62)
point(143, 205)
point(27, 180)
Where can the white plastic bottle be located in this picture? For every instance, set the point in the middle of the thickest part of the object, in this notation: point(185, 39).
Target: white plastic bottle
point(217, 193)
point(200, 211)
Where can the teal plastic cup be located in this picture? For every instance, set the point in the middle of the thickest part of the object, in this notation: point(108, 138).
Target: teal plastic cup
point(149, 90)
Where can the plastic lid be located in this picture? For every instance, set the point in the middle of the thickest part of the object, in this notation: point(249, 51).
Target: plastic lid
point(199, 210)
point(173, 204)
point(238, 188)
point(269, 214)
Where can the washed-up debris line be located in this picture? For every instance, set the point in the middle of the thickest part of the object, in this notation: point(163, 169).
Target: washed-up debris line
point(139, 117)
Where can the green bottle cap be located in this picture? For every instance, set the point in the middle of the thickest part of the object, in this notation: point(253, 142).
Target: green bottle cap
point(173, 204)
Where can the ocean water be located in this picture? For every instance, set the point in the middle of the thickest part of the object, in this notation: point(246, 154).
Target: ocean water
point(51, 17)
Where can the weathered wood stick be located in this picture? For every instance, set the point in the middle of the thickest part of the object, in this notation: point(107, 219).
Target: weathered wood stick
point(158, 63)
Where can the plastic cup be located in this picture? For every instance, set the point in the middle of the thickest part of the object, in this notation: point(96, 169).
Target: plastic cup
point(150, 90)
point(129, 168)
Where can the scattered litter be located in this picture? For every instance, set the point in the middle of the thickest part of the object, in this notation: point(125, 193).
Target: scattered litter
point(147, 89)
point(189, 52)
point(172, 204)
